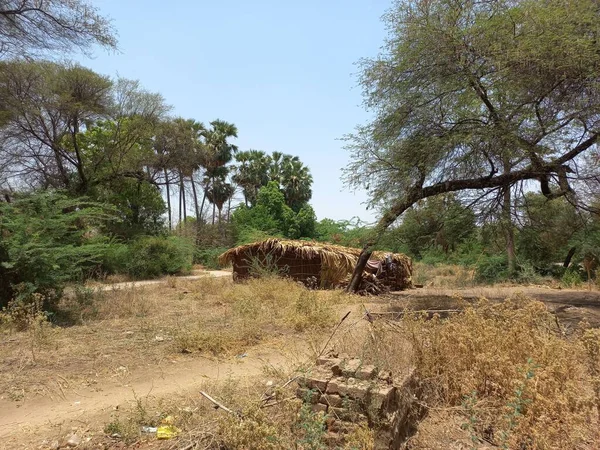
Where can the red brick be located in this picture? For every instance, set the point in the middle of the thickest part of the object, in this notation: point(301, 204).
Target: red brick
point(308, 395)
point(319, 407)
point(366, 372)
point(333, 400)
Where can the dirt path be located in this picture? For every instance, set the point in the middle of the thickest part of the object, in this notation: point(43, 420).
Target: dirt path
point(23, 425)
point(196, 275)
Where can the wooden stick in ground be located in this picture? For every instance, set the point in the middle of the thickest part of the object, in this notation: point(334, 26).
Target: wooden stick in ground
point(216, 403)
point(332, 334)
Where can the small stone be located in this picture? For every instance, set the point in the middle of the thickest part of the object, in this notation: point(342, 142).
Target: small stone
point(381, 396)
point(328, 362)
point(319, 407)
point(73, 441)
point(365, 372)
point(332, 400)
point(269, 383)
point(336, 386)
point(350, 367)
point(358, 390)
point(318, 380)
point(159, 338)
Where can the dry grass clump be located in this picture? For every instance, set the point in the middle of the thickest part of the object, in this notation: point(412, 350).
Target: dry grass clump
point(286, 423)
point(255, 309)
point(443, 275)
point(517, 381)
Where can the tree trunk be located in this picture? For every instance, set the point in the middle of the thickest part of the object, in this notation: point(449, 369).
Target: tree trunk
point(182, 188)
point(195, 193)
point(213, 215)
point(569, 257)
point(202, 205)
point(229, 209)
point(180, 202)
point(168, 198)
point(509, 232)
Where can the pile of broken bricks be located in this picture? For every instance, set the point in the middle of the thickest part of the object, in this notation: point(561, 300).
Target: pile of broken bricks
point(349, 393)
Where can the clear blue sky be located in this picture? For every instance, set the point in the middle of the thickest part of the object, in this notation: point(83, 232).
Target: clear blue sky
point(283, 71)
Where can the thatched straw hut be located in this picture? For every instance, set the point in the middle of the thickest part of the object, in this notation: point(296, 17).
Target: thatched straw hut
point(320, 264)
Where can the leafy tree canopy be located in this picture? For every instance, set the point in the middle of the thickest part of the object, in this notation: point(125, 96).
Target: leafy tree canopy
point(471, 95)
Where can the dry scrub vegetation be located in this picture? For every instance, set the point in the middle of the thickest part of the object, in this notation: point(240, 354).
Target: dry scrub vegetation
point(504, 372)
point(106, 334)
point(499, 374)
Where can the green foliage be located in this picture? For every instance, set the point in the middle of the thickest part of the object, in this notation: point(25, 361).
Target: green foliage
point(150, 257)
point(271, 215)
point(492, 269)
point(208, 257)
point(571, 278)
point(547, 229)
point(139, 204)
point(46, 240)
point(350, 233)
point(256, 169)
point(439, 222)
point(311, 426)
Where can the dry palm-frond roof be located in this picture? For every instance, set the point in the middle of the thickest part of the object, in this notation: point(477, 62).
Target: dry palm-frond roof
point(331, 255)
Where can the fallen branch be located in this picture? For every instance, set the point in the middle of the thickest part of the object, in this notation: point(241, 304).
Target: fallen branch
point(217, 404)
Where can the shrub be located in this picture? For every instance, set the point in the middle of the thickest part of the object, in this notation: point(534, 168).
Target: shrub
point(150, 257)
point(208, 257)
point(571, 277)
point(492, 269)
point(47, 240)
point(509, 369)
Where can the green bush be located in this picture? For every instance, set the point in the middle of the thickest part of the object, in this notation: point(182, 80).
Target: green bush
point(492, 269)
point(208, 257)
point(115, 259)
point(150, 257)
point(571, 277)
point(47, 240)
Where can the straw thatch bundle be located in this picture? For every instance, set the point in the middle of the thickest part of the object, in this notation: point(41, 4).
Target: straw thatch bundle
point(330, 264)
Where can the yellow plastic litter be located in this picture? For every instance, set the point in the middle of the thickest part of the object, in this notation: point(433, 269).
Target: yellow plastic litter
point(167, 432)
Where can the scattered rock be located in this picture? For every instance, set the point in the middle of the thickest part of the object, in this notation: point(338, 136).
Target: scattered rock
point(159, 338)
point(73, 441)
point(350, 367)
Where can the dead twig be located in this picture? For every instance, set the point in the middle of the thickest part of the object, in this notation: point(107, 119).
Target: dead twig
point(217, 404)
point(266, 397)
point(332, 334)
point(267, 405)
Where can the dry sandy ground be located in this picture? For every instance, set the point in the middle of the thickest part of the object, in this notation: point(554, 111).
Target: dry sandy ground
point(75, 404)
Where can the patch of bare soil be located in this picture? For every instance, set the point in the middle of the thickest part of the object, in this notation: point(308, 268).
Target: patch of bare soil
point(570, 306)
point(154, 341)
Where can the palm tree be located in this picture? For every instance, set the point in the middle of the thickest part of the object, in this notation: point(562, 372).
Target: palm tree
point(218, 152)
point(252, 173)
point(219, 192)
point(296, 182)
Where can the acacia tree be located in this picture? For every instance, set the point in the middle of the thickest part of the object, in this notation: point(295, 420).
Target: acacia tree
point(34, 27)
point(472, 95)
point(68, 127)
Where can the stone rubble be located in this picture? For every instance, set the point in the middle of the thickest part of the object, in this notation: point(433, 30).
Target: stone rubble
point(349, 393)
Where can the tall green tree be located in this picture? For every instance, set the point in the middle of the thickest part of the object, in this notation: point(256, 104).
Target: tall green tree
point(219, 151)
point(463, 87)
